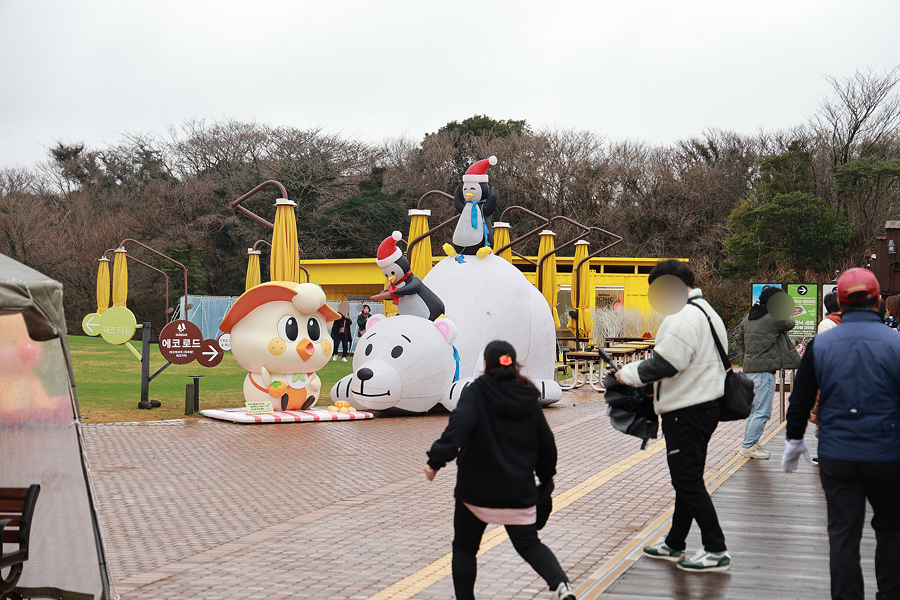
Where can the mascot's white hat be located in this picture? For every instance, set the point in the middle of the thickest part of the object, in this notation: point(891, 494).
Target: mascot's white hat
point(477, 173)
point(388, 252)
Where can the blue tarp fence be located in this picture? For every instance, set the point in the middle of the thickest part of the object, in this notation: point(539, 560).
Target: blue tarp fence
point(207, 313)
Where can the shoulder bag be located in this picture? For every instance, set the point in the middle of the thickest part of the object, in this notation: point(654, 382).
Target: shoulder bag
point(735, 404)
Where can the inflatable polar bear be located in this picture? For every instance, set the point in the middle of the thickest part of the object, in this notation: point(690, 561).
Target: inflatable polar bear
point(403, 364)
point(490, 299)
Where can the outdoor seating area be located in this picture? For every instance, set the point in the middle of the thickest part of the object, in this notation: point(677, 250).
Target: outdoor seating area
point(16, 514)
point(586, 367)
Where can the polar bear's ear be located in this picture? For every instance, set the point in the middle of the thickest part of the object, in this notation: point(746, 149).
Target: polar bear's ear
point(374, 320)
point(447, 329)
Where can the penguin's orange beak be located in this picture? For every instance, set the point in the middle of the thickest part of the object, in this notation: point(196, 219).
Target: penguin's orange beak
point(305, 349)
point(469, 195)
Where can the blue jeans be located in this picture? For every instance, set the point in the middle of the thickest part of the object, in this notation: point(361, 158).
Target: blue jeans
point(763, 391)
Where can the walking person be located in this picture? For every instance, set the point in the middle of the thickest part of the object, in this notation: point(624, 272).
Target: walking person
point(767, 349)
point(691, 379)
point(854, 369)
point(502, 440)
point(340, 333)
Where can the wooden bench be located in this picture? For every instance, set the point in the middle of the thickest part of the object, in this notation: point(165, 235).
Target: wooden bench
point(16, 511)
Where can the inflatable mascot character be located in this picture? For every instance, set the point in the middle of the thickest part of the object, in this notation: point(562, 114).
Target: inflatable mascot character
point(411, 296)
point(403, 364)
point(475, 200)
point(279, 334)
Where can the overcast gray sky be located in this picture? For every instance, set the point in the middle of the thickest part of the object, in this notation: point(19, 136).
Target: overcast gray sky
point(655, 70)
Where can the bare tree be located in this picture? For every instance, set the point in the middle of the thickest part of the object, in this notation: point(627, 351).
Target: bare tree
point(862, 115)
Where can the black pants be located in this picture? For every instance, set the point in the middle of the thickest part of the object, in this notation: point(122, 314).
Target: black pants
point(687, 432)
point(342, 338)
point(847, 485)
point(468, 530)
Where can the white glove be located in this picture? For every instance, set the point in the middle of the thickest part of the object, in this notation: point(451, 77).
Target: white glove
point(793, 449)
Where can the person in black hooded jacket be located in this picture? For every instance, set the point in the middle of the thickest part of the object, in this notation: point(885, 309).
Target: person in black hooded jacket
point(502, 440)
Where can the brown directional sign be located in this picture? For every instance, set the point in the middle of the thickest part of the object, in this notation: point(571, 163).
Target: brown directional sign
point(180, 341)
point(210, 354)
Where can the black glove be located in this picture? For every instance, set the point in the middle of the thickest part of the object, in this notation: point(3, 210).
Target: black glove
point(544, 503)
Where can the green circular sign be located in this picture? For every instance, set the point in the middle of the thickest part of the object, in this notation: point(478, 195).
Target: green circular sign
point(91, 324)
point(118, 325)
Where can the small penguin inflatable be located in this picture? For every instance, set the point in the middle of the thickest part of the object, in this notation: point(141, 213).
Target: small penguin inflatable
point(475, 200)
point(411, 296)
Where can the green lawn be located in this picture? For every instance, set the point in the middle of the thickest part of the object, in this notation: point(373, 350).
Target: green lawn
point(109, 382)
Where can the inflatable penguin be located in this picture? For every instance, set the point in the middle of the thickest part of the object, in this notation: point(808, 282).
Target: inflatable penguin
point(411, 296)
point(475, 200)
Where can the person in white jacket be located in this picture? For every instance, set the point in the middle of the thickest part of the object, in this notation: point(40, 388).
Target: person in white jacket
point(691, 380)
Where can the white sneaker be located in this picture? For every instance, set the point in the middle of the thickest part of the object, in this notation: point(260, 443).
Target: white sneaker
point(754, 451)
point(563, 592)
point(660, 550)
point(334, 358)
point(344, 359)
point(706, 561)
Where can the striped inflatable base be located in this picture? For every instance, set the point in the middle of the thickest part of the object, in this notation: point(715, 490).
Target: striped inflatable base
point(239, 415)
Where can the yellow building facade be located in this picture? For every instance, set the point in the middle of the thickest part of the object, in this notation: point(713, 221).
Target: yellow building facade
point(616, 279)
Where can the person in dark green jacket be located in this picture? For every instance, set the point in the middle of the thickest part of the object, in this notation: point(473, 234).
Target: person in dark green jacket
point(767, 349)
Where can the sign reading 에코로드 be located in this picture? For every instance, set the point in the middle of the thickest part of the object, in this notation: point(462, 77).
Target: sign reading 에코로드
point(179, 342)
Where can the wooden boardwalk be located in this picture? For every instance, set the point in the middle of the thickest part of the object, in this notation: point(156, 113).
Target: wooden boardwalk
point(775, 528)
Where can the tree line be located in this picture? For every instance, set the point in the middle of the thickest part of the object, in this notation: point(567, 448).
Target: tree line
point(794, 204)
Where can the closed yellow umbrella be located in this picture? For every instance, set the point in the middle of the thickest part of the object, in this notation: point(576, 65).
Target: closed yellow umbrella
point(284, 263)
point(420, 256)
point(548, 272)
point(501, 238)
point(253, 276)
point(103, 286)
point(120, 278)
point(585, 299)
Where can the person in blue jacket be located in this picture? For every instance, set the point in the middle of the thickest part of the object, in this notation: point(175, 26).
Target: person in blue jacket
point(856, 369)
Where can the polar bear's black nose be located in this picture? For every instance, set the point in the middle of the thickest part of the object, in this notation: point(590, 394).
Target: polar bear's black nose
point(365, 374)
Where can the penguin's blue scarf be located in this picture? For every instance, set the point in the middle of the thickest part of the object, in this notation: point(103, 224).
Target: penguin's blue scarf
point(456, 358)
point(474, 217)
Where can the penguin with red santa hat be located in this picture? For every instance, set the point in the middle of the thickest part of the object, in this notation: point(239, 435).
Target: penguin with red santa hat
point(411, 296)
point(475, 200)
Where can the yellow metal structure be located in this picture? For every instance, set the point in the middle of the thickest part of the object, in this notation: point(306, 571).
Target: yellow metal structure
point(420, 257)
point(103, 285)
point(549, 285)
point(254, 278)
point(284, 263)
point(120, 278)
point(501, 238)
point(586, 298)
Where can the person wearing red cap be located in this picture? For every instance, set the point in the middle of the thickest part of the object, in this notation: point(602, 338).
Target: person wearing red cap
point(856, 370)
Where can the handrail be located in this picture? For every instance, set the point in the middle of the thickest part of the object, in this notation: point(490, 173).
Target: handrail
point(236, 204)
point(166, 275)
point(432, 193)
point(446, 223)
point(186, 305)
point(577, 270)
point(302, 268)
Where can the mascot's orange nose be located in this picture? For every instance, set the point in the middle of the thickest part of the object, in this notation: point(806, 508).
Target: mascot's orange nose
point(305, 349)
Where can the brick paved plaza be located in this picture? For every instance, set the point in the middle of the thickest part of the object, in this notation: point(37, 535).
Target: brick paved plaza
point(206, 509)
